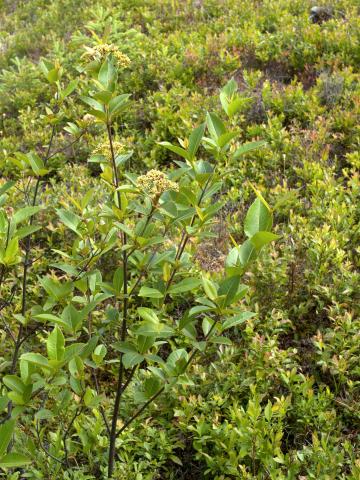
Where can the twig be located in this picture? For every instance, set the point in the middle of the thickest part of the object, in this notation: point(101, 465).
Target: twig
point(66, 146)
point(102, 411)
point(119, 388)
point(183, 242)
point(67, 431)
point(139, 411)
point(26, 265)
point(45, 449)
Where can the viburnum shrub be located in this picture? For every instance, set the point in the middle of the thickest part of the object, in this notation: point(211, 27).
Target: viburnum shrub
point(125, 310)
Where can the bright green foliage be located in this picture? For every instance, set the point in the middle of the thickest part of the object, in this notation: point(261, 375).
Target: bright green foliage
point(143, 233)
point(135, 190)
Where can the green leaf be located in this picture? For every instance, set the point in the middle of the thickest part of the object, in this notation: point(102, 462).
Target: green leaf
point(203, 170)
point(26, 370)
point(153, 329)
point(211, 144)
point(56, 289)
point(6, 431)
point(90, 398)
point(47, 317)
point(72, 128)
point(118, 104)
point(118, 280)
point(12, 251)
point(237, 320)
point(236, 105)
point(14, 383)
point(229, 288)
point(210, 288)
point(76, 367)
point(131, 359)
point(263, 238)
point(228, 99)
point(199, 309)
point(55, 345)
point(127, 189)
point(4, 188)
point(206, 325)
point(97, 106)
point(185, 285)
point(176, 361)
point(70, 219)
point(36, 359)
point(104, 96)
point(230, 88)
point(36, 164)
point(69, 89)
point(215, 126)
point(64, 267)
point(248, 147)
point(121, 160)
point(150, 292)
point(25, 231)
point(45, 66)
point(247, 253)
point(78, 349)
point(16, 398)
point(12, 460)
point(178, 150)
point(44, 414)
point(258, 218)
point(148, 314)
point(144, 343)
point(232, 259)
point(125, 347)
point(53, 75)
point(149, 329)
point(72, 318)
point(225, 138)
point(241, 292)
point(259, 195)
point(107, 74)
point(86, 349)
point(99, 114)
point(3, 222)
point(99, 354)
point(3, 403)
point(151, 385)
point(195, 140)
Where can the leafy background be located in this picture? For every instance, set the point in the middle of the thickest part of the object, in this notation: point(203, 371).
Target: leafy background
point(287, 391)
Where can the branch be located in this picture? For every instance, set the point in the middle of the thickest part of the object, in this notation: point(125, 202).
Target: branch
point(159, 392)
point(66, 146)
point(45, 449)
point(139, 411)
point(119, 387)
point(183, 242)
point(67, 431)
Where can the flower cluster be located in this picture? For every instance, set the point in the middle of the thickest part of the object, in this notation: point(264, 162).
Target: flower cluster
point(154, 183)
point(104, 149)
point(101, 51)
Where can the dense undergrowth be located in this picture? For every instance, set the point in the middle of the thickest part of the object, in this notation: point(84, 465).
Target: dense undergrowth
point(281, 401)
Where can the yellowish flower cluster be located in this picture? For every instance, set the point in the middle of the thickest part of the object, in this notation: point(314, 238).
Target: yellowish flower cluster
point(104, 149)
point(155, 183)
point(101, 51)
